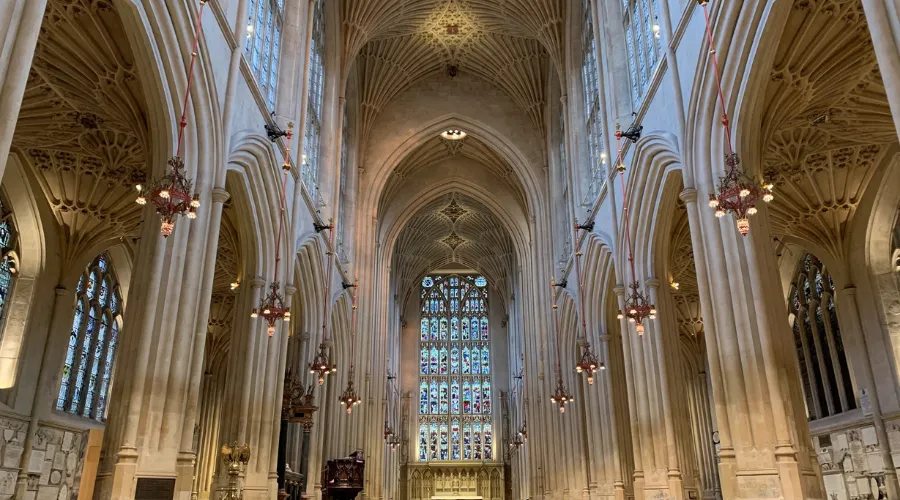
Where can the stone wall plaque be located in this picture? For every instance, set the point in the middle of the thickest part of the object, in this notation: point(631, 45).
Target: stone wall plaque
point(155, 488)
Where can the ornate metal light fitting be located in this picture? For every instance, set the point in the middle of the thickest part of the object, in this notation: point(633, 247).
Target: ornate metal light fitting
point(349, 398)
point(394, 442)
point(388, 431)
point(561, 397)
point(588, 363)
point(173, 195)
point(454, 134)
point(272, 307)
point(736, 192)
point(523, 431)
point(321, 364)
point(637, 308)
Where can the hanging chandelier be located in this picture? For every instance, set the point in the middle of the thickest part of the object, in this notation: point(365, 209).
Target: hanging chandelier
point(523, 431)
point(272, 307)
point(393, 442)
point(637, 307)
point(588, 363)
point(516, 442)
point(173, 195)
point(321, 364)
point(561, 396)
point(736, 192)
point(388, 431)
point(349, 398)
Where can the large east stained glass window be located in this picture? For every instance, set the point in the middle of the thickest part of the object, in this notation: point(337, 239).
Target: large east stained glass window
point(455, 404)
point(263, 47)
point(87, 371)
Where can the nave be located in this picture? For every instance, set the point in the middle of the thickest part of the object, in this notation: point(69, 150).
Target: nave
point(449, 249)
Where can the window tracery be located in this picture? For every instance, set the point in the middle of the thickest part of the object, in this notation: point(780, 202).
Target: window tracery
point(455, 406)
point(87, 371)
point(590, 77)
point(263, 47)
point(642, 44)
point(824, 372)
point(315, 85)
point(9, 250)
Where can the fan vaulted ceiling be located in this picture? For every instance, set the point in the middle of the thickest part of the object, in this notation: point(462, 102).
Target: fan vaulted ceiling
point(398, 42)
point(83, 124)
point(827, 125)
point(453, 228)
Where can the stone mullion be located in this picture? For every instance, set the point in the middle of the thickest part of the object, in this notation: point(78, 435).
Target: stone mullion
point(832, 349)
point(76, 360)
point(812, 307)
point(101, 363)
point(813, 387)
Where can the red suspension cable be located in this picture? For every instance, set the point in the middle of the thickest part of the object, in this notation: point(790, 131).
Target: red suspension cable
point(187, 93)
point(620, 161)
point(715, 60)
point(286, 166)
point(327, 285)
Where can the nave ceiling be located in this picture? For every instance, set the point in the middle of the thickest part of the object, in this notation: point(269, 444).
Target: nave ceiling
point(82, 125)
point(826, 125)
point(452, 229)
point(395, 43)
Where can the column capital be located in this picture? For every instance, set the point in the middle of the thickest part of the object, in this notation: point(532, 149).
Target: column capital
point(652, 283)
point(257, 282)
point(290, 290)
point(304, 336)
point(219, 195)
point(849, 289)
point(619, 290)
point(689, 195)
point(62, 291)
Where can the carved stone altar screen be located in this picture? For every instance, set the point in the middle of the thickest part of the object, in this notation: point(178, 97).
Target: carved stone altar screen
point(454, 481)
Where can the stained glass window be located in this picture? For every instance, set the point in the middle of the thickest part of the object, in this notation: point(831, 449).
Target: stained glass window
point(642, 44)
point(263, 46)
point(454, 370)
point(9, 249)
point(315, 87)
point(590, 78)
point(824, 372)
point(88, 367)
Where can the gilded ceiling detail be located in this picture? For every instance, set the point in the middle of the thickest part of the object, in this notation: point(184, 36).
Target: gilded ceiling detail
point(453, 229)
point(82, 125)
point(398, 42)
point(826, 126)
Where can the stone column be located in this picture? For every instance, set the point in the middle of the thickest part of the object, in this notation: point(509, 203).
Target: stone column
point(48, 379)
point(20, 23)
point(751, 354)
point(883, 17)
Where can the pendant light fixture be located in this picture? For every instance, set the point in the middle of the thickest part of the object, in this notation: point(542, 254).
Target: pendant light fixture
point(561, 396)
point(349, 398)
point(588, 364)
point(321, 364)
point(173, 194)
point(637, 307)
point(736, 192)
point(272, 306)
